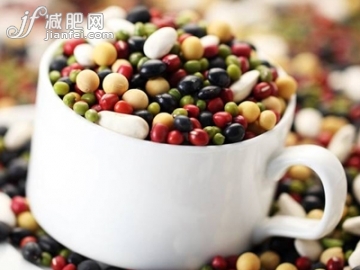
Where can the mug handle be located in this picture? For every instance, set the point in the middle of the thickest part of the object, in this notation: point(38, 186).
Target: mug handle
point(332, 176)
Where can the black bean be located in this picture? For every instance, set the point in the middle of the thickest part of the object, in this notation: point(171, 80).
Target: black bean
point(6, 156)
point(4, 177)
point(137, 81)
point(102, 74)
point(17, 234)
point(219, 77)
point(209, 92)
point(21, 186)
point(136, 44)
point(318, 265)
point(146, 115)
point(190, 84)
point(206, 119)
point(139, 14)
point(31, 252)
point(3, 130)
point(5, 231)
point(217, 62)
point(152, 68)
point(88, 265)
point(58, 63)
point(10, 190)
point(49, 245)
point(75, 258)
point(234, 133)
point(316, 190)
point(167, 102)
point(17, 169)
point(68, 81)
point(194, 30)
point(312, 202)
point(183, 123)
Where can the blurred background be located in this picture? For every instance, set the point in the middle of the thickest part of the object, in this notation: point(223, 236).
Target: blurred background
point(316, 42)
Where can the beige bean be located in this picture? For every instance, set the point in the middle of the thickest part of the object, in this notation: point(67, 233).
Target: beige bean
point(250, 110)
point(136, 98)
point(104, 54)
point(272, 103)
point(27, 221)
point(157, 86)
point(164, 118)
point(269, 260)
point(115, 83)
point(87, 81)
point(315, 214)
point(286, 86)
point(286, 266)
point(192, 48)
point(331, 252)
point(300, 172)
point(267, 120)
point(248, 261)
point(220, 29)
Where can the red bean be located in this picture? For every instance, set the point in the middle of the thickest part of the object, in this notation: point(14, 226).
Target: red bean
point(211, 51)
point(27, 239)
point(274, 89)
point(195, 123)
point(172, 62)
point(219, 263)
point(163, 22)
point(303, 263)
point(335, 264)
point(244, 64)
point(182, 37)
point(215, 105)
point(240, 120)
point(159, 133)
point(65, 72)
point(99, 93)
point(221, 119)
point(123, 107)
point(176, 77)
point(241, 49)
point(274, 73)
point(353, 162)
point(227, 95)
point(126, 70)
point(19, 205)
point(193, 110)
point(77, 90)
point(108, 101)
point(96, 107)
point(69, 267)
point(122, 49)
point(324, 138)
point(262, 90)
point(249, 135)
point(58, 263)
point(231, 261)
point(198, 137)
point(69, 45)
point(175, 137)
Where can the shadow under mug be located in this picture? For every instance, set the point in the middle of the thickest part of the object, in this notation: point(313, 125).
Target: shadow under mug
point(142, 205)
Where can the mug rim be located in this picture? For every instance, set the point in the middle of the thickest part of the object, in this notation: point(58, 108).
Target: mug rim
point(44, 78)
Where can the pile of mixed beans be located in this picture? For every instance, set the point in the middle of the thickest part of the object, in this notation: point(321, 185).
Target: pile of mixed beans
point(171, 79)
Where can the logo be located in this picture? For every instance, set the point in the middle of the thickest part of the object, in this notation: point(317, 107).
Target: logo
point(73, 23)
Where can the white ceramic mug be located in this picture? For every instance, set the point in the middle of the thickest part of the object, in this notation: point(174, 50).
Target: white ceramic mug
point(143, 205)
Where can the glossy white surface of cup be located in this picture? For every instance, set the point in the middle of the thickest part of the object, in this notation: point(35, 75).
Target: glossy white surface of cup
point(143, 205)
